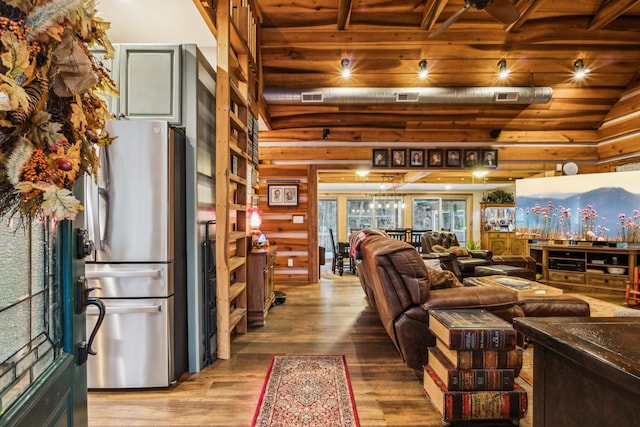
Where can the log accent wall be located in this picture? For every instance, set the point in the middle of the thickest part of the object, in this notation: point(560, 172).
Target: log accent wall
point(295, 241)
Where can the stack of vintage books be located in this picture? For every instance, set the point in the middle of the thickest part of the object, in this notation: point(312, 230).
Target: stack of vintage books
point(472, 369)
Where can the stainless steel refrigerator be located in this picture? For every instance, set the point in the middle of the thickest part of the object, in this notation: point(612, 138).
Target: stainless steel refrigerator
point(135, 218)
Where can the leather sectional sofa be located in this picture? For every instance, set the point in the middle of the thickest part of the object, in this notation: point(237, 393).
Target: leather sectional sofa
point(399, 286)
point(455, 258)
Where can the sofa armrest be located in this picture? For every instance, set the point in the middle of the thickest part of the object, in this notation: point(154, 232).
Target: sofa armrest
point(482, 253)
point(488, 297)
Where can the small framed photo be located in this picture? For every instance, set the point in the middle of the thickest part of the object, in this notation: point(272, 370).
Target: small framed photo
point(490, 158)
point(453, 158)
point(435, 158)
point(471, 159)
point(380, 158)
point(398, 157)
point(283, 195)
point(416, 157)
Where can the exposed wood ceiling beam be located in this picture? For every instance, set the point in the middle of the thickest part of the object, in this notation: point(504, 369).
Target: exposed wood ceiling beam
point(609, 11)
point(432, 11)
point(529, 10)
point(344, 13)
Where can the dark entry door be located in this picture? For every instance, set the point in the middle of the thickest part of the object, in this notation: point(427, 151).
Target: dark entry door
point(50, 387)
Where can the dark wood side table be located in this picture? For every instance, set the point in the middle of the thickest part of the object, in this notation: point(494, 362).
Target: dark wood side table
point(586, 371)
point(260, 296)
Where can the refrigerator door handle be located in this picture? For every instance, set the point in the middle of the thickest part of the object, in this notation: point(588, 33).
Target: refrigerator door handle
point(103, 196)
point(123, 274)
point(129, 310)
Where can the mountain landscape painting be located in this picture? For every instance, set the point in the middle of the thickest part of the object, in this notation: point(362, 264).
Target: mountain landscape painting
point(592, 207)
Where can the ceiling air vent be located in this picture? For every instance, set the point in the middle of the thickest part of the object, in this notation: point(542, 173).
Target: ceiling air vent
point(311, 97)
point(407, 96)
point(506, 96)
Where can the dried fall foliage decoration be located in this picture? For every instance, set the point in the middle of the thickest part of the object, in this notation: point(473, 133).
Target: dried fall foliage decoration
point(52, 108)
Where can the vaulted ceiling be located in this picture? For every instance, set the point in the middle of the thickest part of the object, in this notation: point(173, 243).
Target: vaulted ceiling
point(303, 42)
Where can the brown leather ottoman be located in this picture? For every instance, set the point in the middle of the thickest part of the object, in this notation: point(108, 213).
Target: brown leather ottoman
point(552, 306)
point(503, 269)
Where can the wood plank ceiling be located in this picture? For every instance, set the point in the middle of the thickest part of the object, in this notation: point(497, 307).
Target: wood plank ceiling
point(302, 43)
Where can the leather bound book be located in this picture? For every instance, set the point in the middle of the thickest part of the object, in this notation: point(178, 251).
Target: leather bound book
point(469, 379)
point(482, 359)
point(474, 405)
point(472, 329)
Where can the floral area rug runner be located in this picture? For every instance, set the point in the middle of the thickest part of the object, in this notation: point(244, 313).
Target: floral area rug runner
point(307, 391)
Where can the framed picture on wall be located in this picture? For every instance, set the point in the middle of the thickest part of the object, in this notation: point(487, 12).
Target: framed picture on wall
point(435, 158)
point(397, 157)
point(283, 195)
point(380, 158)
point(471, 159)
point(416, 157)
point(490, 158)
point(453, 158)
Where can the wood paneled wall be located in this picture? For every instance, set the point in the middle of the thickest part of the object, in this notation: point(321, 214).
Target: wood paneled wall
point(619, 135)
point(295, 241)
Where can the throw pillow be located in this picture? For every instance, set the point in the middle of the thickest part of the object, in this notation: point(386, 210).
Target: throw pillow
point(459, 251)
point(442, 279)
point(432, 264)
point(438, 248)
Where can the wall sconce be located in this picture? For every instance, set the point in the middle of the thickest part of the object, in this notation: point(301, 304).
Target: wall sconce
point(346, 68)
point(579, 69)
point(325, 133)
point(503, 71)
point(422, 69)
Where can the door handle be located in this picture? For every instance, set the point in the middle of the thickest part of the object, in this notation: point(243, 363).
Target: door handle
point(157, 308)
point(82, 301)
point(122, 274)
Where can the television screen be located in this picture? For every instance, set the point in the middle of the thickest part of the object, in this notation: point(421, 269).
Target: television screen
point(594, 207)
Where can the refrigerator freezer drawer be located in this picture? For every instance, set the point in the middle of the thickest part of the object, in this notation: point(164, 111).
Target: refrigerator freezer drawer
point(134, 344)
point(130, 280)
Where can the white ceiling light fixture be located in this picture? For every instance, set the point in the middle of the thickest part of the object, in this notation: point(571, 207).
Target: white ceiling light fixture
point(570, 168)
point(480, 173)
point(503, 71)
point(346, 68)
point(423, 72)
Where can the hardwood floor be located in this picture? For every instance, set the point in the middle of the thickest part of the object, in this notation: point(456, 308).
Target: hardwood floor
point(331, 317)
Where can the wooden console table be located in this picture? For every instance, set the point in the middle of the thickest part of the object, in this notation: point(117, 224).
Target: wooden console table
point(585, 268)
point(586, 371)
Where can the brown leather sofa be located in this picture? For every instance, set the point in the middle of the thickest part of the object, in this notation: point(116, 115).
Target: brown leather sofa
point(461, 265)
point(397, 284)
